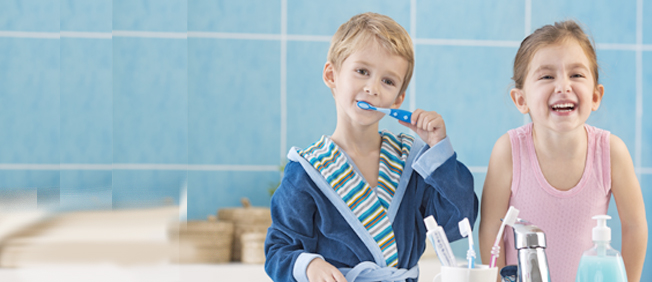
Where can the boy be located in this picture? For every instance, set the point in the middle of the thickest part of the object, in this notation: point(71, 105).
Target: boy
point(351, 206)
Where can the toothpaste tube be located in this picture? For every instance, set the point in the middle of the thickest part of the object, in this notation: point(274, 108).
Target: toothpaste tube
point(440, 242)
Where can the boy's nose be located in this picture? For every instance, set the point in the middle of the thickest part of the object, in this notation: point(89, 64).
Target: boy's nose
point(371, 88)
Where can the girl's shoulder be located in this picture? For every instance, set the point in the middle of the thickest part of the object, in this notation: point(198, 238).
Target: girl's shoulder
point(501, 162)
point(618, 151)
point(503, 147)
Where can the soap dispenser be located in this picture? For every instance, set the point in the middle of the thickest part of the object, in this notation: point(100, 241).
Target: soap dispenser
point(601, 262)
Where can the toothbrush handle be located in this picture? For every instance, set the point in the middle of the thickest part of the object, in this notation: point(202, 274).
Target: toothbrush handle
point(399, 114)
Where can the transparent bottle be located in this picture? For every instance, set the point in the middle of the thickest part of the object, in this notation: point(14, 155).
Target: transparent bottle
point(601, 262)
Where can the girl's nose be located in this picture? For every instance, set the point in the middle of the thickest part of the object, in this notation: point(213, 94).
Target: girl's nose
point(563, 87)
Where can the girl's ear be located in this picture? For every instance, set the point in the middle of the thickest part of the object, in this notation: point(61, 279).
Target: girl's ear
point(597, 97)
point(518, 97)
point(329, 75)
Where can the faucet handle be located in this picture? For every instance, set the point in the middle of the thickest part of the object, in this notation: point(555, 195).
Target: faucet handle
point(528, 235)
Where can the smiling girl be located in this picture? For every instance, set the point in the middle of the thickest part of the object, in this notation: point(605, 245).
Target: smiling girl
point(558, 170)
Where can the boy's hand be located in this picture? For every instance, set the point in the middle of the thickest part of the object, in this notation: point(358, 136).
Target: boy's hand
point(321, 271)
point(428, 125)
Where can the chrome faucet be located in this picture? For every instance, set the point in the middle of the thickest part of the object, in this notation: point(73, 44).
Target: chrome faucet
point(530, 241)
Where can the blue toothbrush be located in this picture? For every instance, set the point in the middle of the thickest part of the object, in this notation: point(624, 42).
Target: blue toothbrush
point(395, 113)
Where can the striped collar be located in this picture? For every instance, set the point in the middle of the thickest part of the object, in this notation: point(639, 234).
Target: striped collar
point(369, 204)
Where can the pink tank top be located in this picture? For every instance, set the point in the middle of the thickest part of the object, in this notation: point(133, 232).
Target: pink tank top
point(564, 216)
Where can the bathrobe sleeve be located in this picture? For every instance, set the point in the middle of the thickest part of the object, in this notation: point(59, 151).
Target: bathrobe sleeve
point(292, 231)
point(449, 194)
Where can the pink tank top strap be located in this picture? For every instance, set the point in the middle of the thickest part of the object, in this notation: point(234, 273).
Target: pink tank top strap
point(602, 157)
point(520, 155)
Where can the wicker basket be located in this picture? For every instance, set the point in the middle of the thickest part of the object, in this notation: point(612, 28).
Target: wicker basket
point(247, 219)
point(253, 247)
point(202, 241)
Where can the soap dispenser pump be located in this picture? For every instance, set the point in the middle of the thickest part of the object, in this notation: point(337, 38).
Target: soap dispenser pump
point(601, 262)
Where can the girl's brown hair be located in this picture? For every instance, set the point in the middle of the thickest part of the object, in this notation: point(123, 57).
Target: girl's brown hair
point(548, 35)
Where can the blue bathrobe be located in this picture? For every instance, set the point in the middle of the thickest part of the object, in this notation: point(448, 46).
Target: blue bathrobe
point(310, 220)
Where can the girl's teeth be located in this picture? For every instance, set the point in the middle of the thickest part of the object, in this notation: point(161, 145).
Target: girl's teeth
point(566, 107)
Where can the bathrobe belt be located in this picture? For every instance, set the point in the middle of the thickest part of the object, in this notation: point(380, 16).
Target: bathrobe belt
point(367, 271)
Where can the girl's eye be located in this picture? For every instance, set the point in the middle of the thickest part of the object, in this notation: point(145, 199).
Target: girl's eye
point(388, 81)
point(578, 75)
point(546, 77)
point(362, 71)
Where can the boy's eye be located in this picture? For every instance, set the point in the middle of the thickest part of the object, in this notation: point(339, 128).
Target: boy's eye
point(546, 77)
point(577, 75)
point(388, 81)
point(362, 71)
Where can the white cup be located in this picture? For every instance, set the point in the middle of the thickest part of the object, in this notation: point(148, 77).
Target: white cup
point(481, 273)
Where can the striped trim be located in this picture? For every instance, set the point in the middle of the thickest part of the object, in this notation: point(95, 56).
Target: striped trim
point(367, 204)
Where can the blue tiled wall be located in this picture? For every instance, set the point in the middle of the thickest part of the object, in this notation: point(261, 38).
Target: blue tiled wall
point(164, 94)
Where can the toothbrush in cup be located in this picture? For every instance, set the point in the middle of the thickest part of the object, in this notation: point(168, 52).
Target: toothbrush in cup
point(399, 114)
point(465, 230)
point(509, 219)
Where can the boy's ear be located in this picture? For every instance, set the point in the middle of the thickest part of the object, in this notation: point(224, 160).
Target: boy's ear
point(329, 75)
point(399, 100)
point(518, 98)
point(597, 97)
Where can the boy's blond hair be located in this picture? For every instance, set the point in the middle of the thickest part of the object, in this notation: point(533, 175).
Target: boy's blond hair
point(362, 29)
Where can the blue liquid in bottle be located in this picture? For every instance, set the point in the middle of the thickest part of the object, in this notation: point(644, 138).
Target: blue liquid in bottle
point(601, 263)
point(599, 269)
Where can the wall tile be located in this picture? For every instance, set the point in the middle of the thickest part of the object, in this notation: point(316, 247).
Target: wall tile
point(150, 15)
point(472, 98)
point(150, 100)
point(86, 15)
point(607, 21)
point(310, 105)
point(210, 190)
point(245, 16)
point(617, 110)
point(647, 27)
point(324, 17)
point(29, 15)
point(234, 102)
point(28, 179)
point(646, 142)
point(141, 188)
point(86, 189)
point(29, 103)
point(468, 19)
point(86, 101)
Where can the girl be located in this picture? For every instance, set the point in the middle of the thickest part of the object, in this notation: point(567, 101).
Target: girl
point(558, 170)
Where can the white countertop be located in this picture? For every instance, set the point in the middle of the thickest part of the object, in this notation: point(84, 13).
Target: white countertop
point(124, 246)
point(230, 272)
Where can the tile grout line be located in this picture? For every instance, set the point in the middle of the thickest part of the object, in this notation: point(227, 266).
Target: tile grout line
point(283, 93)
point(287, 37)
point(188, 167)
point(527, 30)
point(413, 33)
point(528, 17)
point(141, 166)
point(639, 89)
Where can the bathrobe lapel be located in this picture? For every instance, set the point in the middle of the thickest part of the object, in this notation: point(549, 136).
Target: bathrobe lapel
point(369, 212)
